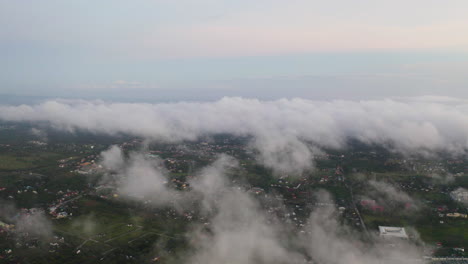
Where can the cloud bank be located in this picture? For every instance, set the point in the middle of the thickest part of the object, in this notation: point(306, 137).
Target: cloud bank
point(286, 133)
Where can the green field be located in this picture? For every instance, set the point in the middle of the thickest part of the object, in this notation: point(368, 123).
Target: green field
point(452, 233)
point(103, 229)
point(27, 161)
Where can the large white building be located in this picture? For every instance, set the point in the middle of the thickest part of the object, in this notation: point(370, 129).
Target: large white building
point(392, 232)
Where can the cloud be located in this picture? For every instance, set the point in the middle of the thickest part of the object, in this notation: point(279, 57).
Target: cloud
point(138, 177)
point(113, 158)
point(389, 195)
point(239, 233)
point(39, 134)
point(143, 178)
point(441, 178)
point(285, 132)
point(28, 223)
point(86, 225)
point(35, 224)
point(460, 195)
point(285, 155)
point(210, 182)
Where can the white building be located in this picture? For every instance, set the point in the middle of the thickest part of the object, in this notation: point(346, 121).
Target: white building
point(392, 232)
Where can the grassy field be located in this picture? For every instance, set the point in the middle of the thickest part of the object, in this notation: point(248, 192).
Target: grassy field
point(452, 233)
point(27, 161)
point(103, 229)
point(373, 221)
point(97, 220)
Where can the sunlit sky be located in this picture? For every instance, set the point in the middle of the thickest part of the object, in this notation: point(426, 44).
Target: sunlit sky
point(206, 49)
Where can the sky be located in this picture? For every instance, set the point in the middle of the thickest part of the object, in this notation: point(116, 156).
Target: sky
point(164, 50)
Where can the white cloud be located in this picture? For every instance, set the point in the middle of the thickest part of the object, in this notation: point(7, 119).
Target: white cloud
point(32, 223)
point(138, 177)
point(283, 131)
point(388, 195)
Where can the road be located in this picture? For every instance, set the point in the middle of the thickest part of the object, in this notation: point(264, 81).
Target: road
point(350, 188)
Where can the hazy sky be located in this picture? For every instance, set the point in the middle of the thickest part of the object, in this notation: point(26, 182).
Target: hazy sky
point(205, 49)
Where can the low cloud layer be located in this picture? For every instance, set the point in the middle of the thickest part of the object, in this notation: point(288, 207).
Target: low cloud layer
point(285, 132)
